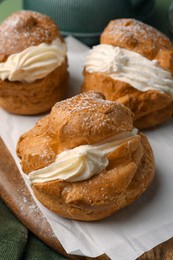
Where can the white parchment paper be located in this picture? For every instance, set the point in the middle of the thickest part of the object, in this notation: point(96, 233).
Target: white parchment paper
point(133, 230)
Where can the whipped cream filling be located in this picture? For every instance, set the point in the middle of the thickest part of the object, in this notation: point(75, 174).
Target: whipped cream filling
point(82, 162)
point(130, 67)
point(34, 62)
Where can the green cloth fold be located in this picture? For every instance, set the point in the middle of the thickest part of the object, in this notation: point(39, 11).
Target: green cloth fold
point(13, 235)
point(16, 242)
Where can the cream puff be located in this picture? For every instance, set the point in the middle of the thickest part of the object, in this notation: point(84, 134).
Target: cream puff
point(133, 65)
point(33, 63)
point(85, 160)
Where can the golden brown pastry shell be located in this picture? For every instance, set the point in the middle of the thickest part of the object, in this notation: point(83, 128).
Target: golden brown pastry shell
point(139, 37)
point(37, 97)
point(87, 119)
point(24, 29)
point(150, 108)
point(21, 30)
point(130, 172)
point(84, 119)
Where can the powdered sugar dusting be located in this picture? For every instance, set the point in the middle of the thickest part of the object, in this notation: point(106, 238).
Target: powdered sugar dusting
point(94, 114)
point(87, 101)
point(135, 29)
point(24, 29)
point(136, 35)
point(84, 119)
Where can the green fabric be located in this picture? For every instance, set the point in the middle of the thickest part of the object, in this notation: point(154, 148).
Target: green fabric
point(87, 19)
point(36, 250)
point(13, 235)
point(16, 242)
point(89, 16)
point(160, 17)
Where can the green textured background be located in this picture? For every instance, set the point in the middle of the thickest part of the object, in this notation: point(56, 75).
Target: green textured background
point(159, 19)
point(9, 6)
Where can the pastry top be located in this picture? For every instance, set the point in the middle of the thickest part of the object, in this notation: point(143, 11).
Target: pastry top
point(84, 119)
point(88, 118)
point(139, 37)
point(24, 29)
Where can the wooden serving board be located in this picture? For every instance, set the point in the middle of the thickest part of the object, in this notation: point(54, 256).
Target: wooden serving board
point(17, 197)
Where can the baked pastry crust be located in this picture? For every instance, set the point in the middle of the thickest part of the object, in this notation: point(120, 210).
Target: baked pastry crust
point(87, 119)
point(150, 108)
point(21, 30)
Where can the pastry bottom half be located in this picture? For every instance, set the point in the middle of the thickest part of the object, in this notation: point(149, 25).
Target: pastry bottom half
point(37, 97)
point(130, 171)
point(150, 108)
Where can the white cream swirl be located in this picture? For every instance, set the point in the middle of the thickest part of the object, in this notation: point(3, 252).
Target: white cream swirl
point(129, 66)
point(34, 62)
point(82, 162)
